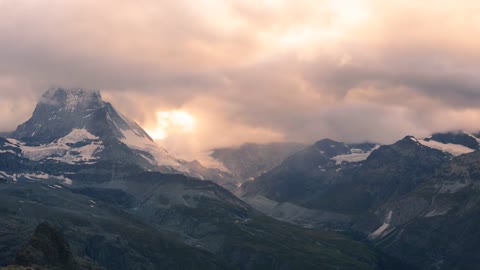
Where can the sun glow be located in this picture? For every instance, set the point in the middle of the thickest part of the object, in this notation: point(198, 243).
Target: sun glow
point(172, 122)
point(316, 34)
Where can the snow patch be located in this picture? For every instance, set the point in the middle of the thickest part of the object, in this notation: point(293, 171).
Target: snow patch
point(35, 176)
point(160, 156)
point(356, 155)
point(137, 141)
point(65, 180)
point(473, 136)
point(382, 229)
point(6, 175)
point(77, 135)
point(435, 212)
point(453, 149)
point(12, 142)
point(413, 139)
point(7, 152)
point(63, 151)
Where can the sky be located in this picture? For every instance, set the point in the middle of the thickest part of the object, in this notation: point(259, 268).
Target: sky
point(215, 73)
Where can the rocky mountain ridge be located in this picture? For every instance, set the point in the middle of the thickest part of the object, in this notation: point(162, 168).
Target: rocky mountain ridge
point(416, 199)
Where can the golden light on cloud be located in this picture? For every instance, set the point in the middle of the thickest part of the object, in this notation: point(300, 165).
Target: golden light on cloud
point(172, 122)
point(250, 71)
point(350, 11)
point(312, 28)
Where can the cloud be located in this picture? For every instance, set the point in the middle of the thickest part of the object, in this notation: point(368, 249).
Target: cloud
point(252, 70)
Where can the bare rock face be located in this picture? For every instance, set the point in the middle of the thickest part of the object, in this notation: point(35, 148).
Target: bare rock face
point(48, 249)
point(57, 113)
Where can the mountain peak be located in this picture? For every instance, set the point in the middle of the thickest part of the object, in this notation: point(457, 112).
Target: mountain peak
point(71, 99)
point(53, 91)
point(409, 139)
point(66, 122)
point(58, 112)
point(331, 148)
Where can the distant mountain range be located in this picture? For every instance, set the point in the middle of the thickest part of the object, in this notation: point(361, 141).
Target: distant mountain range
point(84, 187)
point(416, 199)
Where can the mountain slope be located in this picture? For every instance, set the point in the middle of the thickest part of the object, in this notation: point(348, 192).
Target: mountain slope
point(96, 231)
point(207, 216)
point(156, 220)
point(292, 180)
point(417, 199)
point(340, 183)
point(435, 226)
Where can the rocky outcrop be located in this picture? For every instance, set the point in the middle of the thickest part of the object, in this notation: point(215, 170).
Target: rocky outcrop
point(48, 249)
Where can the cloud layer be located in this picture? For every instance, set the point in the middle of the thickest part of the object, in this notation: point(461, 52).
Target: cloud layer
point(252, 70)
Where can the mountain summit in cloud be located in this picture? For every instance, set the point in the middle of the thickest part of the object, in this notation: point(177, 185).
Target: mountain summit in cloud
point(61, 110)
point(75, 126)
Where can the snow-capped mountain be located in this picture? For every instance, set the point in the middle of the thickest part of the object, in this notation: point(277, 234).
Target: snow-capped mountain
point(83, 166)
point(455, 143)
point(416, 196)
point(331, 182)
point(76, 127)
